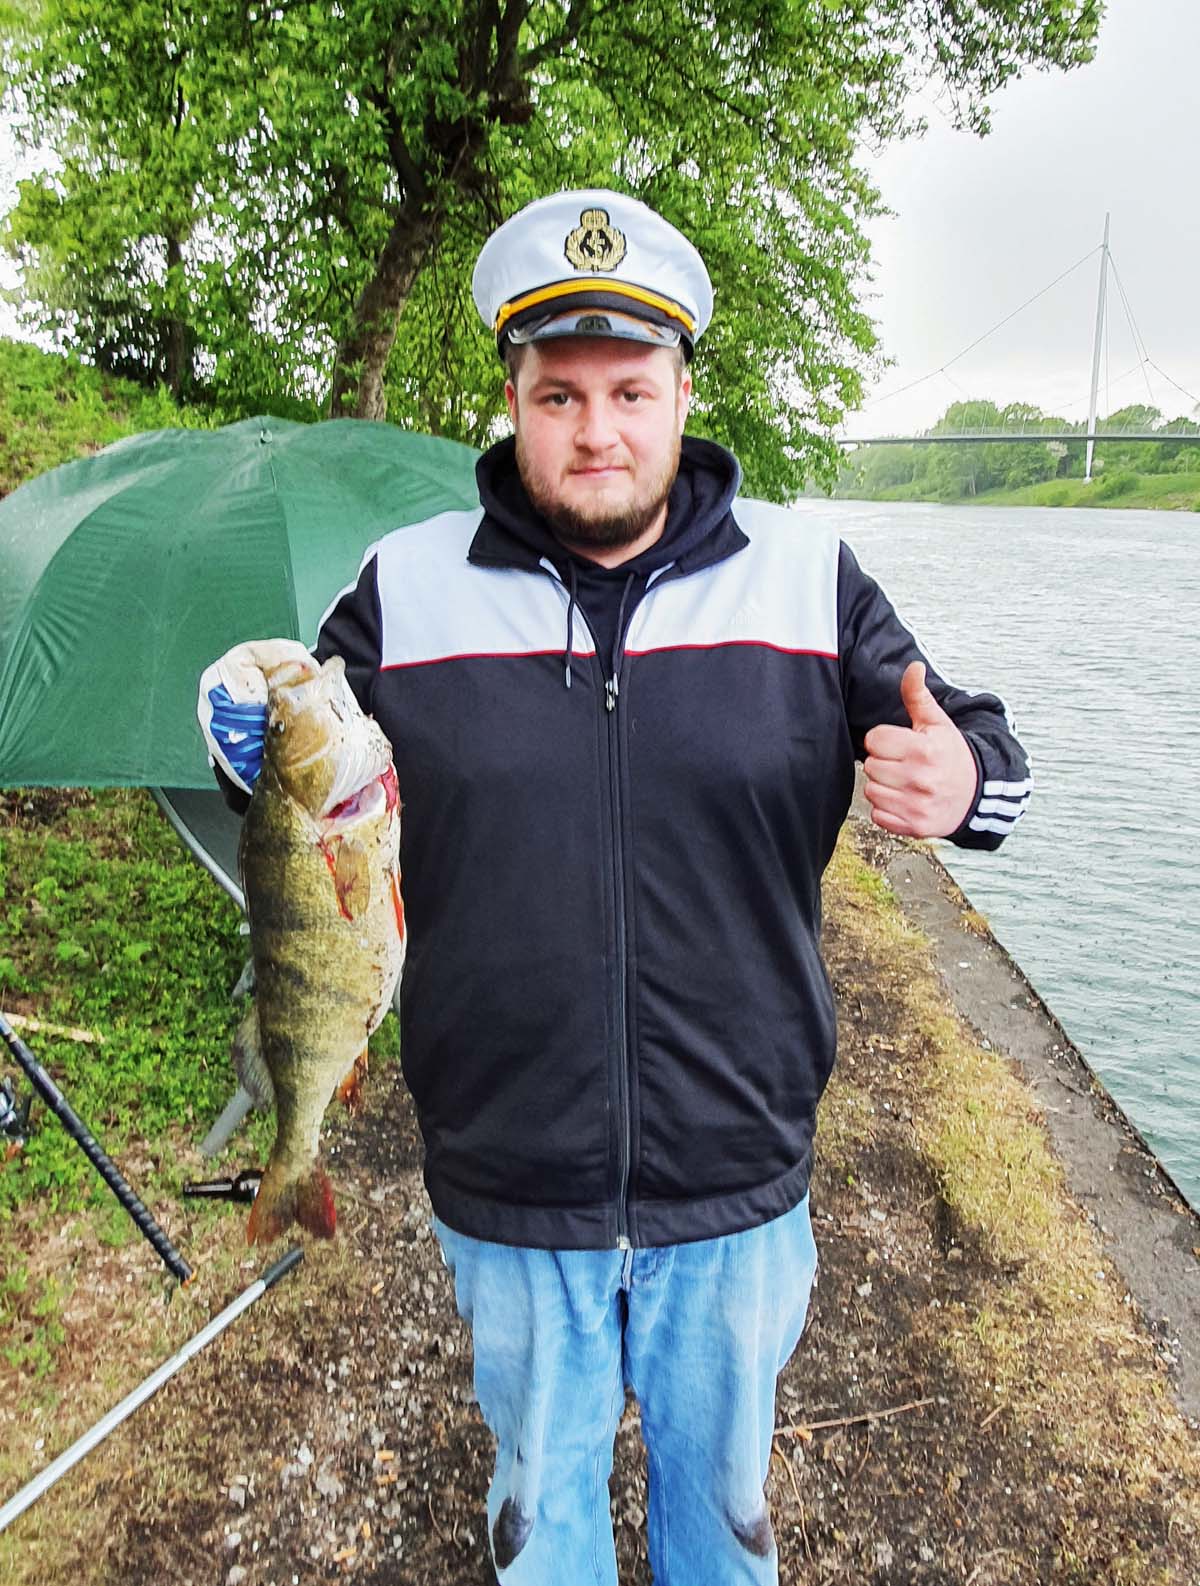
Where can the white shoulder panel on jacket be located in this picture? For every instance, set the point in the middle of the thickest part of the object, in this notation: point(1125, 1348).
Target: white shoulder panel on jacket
point(779, 591)
point(438, 606)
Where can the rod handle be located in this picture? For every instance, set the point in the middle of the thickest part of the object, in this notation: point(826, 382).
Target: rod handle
point(283, 1266)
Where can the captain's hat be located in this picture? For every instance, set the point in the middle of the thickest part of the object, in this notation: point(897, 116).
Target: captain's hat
point(592, 263)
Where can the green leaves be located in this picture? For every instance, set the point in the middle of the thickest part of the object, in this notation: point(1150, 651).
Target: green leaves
point(257, 205)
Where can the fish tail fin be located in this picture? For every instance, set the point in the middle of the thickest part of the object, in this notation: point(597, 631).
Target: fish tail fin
point(285, 1198)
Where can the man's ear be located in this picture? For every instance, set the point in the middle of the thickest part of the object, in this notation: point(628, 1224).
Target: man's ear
point(683, 401)
point(510, 396)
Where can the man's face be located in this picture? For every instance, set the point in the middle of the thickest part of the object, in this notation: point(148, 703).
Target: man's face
point(598, 423)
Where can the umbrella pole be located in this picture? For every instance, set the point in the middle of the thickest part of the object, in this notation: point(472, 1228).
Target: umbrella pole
point(34, 1489)
point(104, 1165)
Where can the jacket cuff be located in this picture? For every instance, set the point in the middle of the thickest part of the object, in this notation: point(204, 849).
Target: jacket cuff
point(1001, 799)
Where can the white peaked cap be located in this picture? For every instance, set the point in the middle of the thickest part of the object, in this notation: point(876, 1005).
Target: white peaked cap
point(592, 263)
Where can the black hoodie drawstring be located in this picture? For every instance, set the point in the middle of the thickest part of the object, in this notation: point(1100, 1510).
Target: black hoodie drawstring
point(571, 604)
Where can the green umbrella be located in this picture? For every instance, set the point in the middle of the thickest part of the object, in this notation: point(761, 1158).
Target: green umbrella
point(124, 574)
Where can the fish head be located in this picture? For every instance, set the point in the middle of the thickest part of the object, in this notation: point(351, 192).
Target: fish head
point(307, 722)
point(321, 746)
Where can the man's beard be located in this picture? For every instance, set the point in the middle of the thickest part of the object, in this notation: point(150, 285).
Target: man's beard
point(599, 530)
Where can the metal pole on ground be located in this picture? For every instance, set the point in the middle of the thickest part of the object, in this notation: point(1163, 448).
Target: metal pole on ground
point(34, 1489)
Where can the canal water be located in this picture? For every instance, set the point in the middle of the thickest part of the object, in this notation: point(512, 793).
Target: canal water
point(1087, 623)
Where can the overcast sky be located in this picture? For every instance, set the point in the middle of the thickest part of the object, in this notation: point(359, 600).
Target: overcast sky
point(981, 225)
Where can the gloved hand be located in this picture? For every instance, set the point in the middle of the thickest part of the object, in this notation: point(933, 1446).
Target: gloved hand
point(233, 704)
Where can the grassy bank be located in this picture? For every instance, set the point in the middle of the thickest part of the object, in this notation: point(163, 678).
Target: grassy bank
point(54, 409)
point(1030, 1434)
point(1160, 492)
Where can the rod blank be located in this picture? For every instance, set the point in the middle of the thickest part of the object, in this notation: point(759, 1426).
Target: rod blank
point(41, 1483)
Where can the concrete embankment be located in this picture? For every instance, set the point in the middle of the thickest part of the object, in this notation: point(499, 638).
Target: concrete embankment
point(1146, 1226)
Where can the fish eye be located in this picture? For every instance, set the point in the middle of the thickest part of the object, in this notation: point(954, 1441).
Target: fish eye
point(279, 725)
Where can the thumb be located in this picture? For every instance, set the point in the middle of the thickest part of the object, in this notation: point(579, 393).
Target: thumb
point(920, 704)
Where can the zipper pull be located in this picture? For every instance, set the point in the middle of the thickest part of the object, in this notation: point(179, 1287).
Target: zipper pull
point(611, 689)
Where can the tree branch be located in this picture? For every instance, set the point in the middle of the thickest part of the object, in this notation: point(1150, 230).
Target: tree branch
point(405, 166)
point(577, 15)
point(488, 23)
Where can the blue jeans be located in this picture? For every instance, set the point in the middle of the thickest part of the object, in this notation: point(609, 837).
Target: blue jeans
point(698, 1331)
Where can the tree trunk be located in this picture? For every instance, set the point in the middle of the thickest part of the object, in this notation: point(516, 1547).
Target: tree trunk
point(358, 389)
point(175, 351)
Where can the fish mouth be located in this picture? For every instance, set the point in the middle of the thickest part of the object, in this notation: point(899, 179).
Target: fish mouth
point(366, 804)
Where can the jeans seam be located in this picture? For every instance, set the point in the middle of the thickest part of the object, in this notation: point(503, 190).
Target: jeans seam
point(661, 1509)
point(602, 1510)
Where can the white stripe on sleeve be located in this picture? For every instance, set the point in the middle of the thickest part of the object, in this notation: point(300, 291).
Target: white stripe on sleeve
point(982, 823)
point(1013, 808)
point(1008, 789)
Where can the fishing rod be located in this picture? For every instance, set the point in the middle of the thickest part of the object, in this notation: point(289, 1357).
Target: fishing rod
point(34, 1489)
point(95, 1153)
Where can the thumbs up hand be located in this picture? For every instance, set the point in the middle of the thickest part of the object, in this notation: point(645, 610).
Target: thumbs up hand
point(921, 780)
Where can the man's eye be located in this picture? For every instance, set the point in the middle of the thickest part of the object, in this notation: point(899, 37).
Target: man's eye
point(557, 399)
point(632, 396)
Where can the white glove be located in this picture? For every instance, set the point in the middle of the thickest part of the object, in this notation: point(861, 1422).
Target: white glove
point(233, 704)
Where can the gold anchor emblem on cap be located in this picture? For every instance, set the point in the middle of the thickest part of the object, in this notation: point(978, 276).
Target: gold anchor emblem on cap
point(595, 244)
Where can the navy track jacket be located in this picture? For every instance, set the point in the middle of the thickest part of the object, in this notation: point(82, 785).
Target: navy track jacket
point(616, 1025)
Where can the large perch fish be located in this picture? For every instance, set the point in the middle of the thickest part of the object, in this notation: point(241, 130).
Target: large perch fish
point(319, 861)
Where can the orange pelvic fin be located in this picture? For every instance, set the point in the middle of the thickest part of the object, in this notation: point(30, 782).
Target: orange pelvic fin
point(283, 1200)
point(350, 1090)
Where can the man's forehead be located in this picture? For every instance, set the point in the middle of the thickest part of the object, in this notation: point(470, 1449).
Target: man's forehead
point(590, 358)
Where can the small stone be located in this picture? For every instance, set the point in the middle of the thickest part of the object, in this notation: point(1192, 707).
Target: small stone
point(883, 1555)
point(863, 1290)
point(305, 1455)
point(236, 1575)
point(233, 1540)
point(237, 1495)
point(329, 1486)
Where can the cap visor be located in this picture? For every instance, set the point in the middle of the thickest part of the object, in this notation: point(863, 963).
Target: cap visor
point(595, 322)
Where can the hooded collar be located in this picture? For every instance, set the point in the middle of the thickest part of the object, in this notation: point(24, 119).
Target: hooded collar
point(700, 527)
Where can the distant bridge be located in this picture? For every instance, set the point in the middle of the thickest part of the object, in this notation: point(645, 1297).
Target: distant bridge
point(1045, 428)
point(1024, 436)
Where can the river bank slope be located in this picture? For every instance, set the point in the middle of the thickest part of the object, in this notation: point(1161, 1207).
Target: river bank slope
point(1177, 492)
point(980, 1396)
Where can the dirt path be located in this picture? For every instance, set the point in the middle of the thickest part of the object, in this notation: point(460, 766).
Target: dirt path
point(332, 1432)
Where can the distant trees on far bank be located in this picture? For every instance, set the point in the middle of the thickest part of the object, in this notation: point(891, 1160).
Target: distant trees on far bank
point(948, 471)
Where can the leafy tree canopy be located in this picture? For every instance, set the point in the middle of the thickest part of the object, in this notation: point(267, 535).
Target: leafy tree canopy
point(273, 202)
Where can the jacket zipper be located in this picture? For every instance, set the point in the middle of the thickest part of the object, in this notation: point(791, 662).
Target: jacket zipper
point(612, 690)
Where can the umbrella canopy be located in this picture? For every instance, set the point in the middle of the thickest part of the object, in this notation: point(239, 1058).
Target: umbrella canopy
point(124, 574)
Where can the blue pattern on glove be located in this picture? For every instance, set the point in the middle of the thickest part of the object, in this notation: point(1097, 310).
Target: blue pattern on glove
point(239, 731)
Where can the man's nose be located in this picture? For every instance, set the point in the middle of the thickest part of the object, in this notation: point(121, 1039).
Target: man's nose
point(595, 431)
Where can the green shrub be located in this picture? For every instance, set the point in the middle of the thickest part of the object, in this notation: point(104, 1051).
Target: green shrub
point(1113, 485)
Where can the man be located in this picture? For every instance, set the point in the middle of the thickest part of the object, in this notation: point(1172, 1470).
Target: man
point(625, 707)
